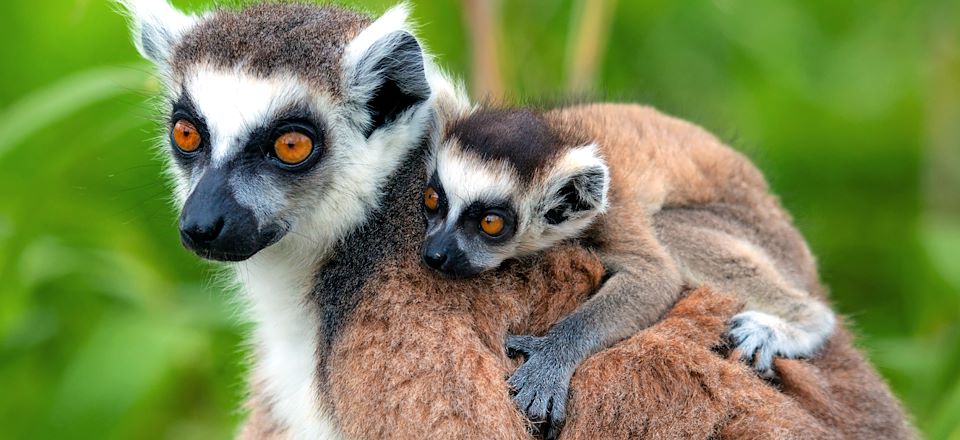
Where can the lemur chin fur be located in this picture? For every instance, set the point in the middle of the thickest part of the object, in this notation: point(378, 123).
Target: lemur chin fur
point(506, 183)
point(358, 94)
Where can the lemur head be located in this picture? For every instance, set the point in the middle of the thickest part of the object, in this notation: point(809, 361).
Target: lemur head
point(282, 119)
point(506, 183)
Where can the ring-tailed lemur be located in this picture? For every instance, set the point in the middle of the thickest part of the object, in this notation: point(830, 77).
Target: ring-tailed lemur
point(285, 125)
point(507, 183)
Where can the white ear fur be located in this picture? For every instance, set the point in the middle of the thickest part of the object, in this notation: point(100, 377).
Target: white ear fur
point(361, 51)
point(395, 19)
point(156, 26)
point(577, 186)
point(385, 51)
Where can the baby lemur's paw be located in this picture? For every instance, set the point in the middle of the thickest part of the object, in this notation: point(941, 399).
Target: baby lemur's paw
point(542, 383)
point(761, 336)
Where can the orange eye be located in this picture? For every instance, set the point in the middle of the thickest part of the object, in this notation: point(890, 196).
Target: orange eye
point(293, 147)
point(492, 224)
point(186, 136)
point(431, 199)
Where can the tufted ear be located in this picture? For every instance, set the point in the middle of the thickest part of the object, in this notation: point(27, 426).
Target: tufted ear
point(384, 69)
point(156, 26)
point(577, 187)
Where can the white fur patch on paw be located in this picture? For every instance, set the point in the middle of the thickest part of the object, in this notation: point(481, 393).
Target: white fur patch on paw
point(760, 336)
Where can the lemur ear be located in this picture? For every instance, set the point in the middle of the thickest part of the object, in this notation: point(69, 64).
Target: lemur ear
point(578, 188)
point(156, 26)
point(385, 70)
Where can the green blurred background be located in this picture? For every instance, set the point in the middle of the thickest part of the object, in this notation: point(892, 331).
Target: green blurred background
point(108, 329)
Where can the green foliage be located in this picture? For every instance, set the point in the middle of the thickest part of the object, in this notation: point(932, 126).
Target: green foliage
point(108, 329)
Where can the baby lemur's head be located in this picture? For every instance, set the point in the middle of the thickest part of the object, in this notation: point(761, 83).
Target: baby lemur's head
point(507, 183)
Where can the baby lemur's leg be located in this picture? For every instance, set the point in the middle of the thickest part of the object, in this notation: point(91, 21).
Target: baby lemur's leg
point(643, 283)
point(780, 317)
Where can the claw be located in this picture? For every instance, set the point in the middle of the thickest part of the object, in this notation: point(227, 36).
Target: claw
point(756, 340)
point(538, 409)
point(522, 344)
point(557, 416)
point(523, 399)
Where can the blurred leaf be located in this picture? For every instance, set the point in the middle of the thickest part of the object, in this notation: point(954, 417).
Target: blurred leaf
point(946, 423)
point(46, 106)
point(121, 363)
point(942, 241)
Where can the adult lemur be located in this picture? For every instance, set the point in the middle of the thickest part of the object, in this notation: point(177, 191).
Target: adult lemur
point(286, 125)
point(508, 183)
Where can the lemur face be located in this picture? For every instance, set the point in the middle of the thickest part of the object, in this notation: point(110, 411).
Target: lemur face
point(246, 152)
point(281, 118)
point(503, 186)
point(474, 215)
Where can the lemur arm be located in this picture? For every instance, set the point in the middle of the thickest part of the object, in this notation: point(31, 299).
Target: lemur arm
point(781, 317)
point(643, 283)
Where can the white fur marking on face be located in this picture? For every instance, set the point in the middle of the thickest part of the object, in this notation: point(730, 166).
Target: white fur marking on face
point(466, 178)
point(233, 103)
point(261, 194)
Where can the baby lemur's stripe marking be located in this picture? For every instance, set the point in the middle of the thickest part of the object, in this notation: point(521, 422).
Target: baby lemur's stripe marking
point(517, 136)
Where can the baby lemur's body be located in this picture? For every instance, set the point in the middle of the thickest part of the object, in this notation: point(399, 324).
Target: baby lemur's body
point(662, 210)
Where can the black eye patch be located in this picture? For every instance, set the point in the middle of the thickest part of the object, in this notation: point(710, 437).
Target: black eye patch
point(434, 183)
point(259, 147)
point(184, 109)
point(469, 221)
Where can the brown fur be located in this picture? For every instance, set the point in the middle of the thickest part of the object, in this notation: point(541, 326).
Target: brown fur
point(661, 160)
point(433, 349)
point(269, 38)
point(665, 382)
point(425, 360)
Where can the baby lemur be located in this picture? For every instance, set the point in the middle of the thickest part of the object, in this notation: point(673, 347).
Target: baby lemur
point(508, 183)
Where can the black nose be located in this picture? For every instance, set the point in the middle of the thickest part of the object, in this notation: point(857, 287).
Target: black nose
point(201, 231)
point(434, 258)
